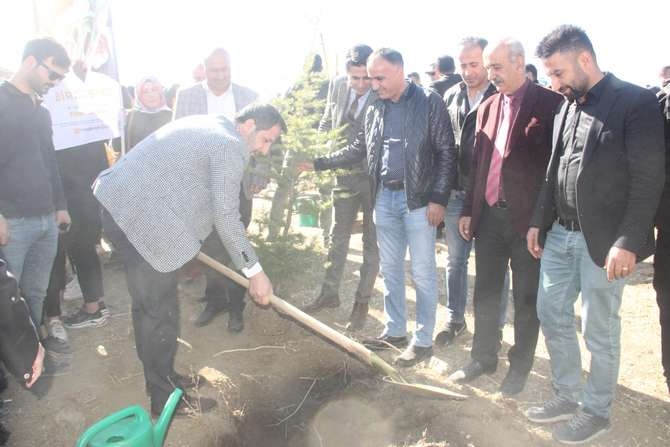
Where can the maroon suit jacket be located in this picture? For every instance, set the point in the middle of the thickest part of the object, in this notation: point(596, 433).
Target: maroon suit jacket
point(525, 162)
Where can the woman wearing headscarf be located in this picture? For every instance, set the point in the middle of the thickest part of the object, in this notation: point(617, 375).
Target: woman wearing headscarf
point(150, 112)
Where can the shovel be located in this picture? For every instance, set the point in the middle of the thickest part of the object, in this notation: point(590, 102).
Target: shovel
point(353, 347)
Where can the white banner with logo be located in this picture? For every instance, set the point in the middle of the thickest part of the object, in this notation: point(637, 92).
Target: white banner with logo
point(87, 106)
point(84, 111)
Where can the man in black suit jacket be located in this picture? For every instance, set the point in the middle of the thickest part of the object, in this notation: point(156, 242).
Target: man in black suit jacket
point(597, 207)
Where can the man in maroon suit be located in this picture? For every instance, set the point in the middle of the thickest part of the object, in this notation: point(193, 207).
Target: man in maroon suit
point(512, 149)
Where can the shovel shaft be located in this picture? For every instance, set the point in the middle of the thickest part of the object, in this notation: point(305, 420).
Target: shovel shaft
point(351, 346)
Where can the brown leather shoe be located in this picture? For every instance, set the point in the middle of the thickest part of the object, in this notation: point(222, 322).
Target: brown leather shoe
point(358, 315)
point(321, 302)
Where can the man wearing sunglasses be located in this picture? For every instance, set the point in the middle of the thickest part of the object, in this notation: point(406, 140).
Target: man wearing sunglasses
point(32, 204)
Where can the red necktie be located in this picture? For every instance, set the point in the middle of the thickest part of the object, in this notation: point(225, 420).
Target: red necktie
point(499, 145)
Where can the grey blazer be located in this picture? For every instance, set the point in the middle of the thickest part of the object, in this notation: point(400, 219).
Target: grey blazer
point(336, 105)
point(174, 186)
point(193, 100)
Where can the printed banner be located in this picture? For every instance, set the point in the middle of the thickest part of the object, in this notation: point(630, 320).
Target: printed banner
point(87, 106)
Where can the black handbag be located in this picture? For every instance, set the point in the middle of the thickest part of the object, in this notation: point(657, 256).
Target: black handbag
point(18, 337)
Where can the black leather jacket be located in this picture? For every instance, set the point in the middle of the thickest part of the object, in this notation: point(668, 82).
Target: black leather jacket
point(463, 121)
point(430, 153)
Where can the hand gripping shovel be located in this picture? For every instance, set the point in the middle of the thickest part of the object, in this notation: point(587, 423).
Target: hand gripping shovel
point(356, 349)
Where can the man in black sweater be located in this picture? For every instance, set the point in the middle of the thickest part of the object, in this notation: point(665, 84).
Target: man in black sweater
point(32, 204)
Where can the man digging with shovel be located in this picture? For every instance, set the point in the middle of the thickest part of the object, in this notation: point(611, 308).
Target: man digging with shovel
point(160, 202)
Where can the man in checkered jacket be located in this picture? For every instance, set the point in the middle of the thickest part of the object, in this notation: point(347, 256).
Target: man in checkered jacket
point(161, 200)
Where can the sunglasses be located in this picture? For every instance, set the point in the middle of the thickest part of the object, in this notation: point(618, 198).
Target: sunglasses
point(53, 75)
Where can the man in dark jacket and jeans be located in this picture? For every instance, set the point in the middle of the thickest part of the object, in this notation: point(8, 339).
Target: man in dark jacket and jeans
point(462, 101)
point(409, 143)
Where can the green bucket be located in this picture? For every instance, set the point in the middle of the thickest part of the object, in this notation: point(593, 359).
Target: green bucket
point(308, 220)
point(131, 427)
point(307, 207)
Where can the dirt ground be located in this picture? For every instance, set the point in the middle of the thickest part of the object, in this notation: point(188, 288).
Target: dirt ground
point(278, 384)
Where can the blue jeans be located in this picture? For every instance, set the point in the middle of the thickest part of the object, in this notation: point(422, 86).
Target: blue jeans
point(398, 228)
point(457, 264)
point(30, 253)
point(566, 270)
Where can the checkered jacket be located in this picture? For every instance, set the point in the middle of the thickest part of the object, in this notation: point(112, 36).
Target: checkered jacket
point(174, 186)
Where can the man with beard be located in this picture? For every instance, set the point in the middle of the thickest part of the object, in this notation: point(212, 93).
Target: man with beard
point(596, 209)
point(32, 203)
point(160, 201)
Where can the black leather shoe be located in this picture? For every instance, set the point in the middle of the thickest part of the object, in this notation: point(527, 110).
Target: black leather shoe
point(236, 321)
point(211, 310)
point(385, 342)
point(322, 302)
point(513, 383)
point(358, 315)
point(187, 382)
point(413, 355)
point(188, 406)
point(470, 372)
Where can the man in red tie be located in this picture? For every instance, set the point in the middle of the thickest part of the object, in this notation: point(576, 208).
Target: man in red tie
point(512, 149)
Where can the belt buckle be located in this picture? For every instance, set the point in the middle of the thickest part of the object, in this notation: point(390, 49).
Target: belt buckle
point(395, 185)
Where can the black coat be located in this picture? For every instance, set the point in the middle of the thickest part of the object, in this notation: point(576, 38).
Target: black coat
point(663, 213)
point(430, 152)
point(621, 174)
point(18, 337)
point(464, 124)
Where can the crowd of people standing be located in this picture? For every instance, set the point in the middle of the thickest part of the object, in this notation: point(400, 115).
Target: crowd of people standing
point(560, 186)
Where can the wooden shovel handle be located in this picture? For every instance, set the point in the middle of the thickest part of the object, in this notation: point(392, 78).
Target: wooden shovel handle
point(353, 347)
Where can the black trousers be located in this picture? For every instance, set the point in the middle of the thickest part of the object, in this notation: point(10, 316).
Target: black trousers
point(496, 245)
point(78, 168)
point(221, 290)
point(155, 313)
point(662, 287)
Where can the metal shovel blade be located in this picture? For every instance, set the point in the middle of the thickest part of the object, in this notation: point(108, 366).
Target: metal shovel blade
point(426, 390)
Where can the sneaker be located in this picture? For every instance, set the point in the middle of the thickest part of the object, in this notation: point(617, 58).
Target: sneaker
point(414, 354)
point(583, 427)
point(471, 371)
point(56, 330)
point(449, 333)
point(560, 408)
point(72, 290)
point(84, 319)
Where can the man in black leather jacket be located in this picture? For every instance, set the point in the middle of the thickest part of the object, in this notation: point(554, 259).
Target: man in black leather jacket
point(411, 156)
point(462, 102)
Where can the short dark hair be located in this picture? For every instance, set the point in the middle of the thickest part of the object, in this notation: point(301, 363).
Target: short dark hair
point(357, 56)
point(564, 38)
point(390, 55)
point(44, 48)
point(446, 64)
point(531, 68)
point(473, 41)
point(264, 115)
